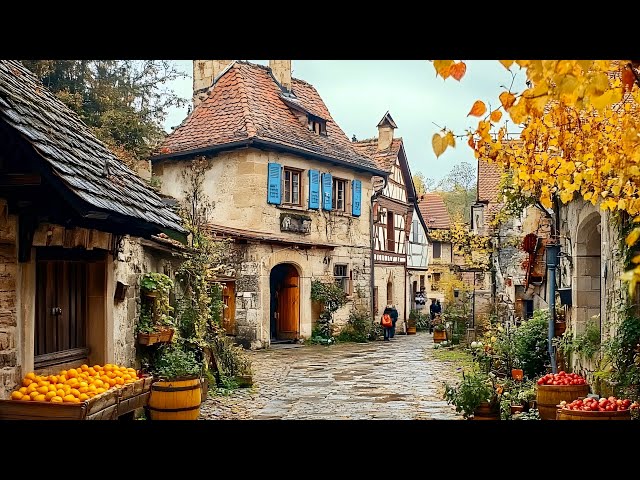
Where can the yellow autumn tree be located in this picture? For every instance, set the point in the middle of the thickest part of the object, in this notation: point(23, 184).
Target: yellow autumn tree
point(580, 136)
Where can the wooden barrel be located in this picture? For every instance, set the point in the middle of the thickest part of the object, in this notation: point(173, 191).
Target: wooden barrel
point(411, 330)
point(564, 414)
point(548, 397)
point(439, 336)
point(175, 400)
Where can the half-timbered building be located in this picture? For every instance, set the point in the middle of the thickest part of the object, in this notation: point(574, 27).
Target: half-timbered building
point(399, 236)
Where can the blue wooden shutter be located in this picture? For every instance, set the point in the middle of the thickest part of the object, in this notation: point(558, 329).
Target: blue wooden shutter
point(274, 191)
point(356, 195)
point(314, 189)
point(327, 191)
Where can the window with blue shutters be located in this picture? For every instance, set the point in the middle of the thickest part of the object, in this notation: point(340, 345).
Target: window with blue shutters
point(274, 184)
point(327, 187)
point(356, 195)
point(314, 189)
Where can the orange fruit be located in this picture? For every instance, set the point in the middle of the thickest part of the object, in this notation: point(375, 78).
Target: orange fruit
point(83, 389)
point(25, 398)
point(52, 378)
point(120, 381)
point(52, 388)
point(26, 382)
point(112, 382)
point(93, 388)
point(69, 398)
point(63, 372)
point(41, 383)
point(104, 378)
point(56, 399)
point(23, 390)
point(72, 373)
point(44, 389)
point(50, 395)
point(16, 395)
point(83, 384)
point(91, 394)
point(40, 398)
point(60, 393)
point(100, 390)
point(111, 374)
point(32, 388)
point(30, 376)
point(97, 368)
point(98, 383)
point(62, 378)
point(83, 397)
point(75, 392)
point(91, 371)
point(33, 395)
point(84, 367)
point(129, 380)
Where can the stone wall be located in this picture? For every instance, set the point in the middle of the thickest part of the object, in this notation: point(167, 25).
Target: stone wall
point(10, 373)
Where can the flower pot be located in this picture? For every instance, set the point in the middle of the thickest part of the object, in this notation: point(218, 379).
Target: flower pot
point(485, 411)
point(439, 336)
point(148, 338)
point(517, 373)
point(516, 409)
point(411, 330)
point(244, 381)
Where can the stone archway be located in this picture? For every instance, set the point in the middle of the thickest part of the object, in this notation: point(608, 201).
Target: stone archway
point(588, 272)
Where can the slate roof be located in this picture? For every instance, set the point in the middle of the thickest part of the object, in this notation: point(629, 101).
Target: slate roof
point(384, 159)
point(83, 163)
point(434, 211)
point(246, 104)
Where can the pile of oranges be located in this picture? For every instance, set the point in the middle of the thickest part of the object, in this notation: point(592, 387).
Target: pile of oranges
point(74, 385)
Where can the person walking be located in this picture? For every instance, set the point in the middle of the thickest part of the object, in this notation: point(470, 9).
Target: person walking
point(432, 314)
point(387, 322)
point(394, 319)
point(438, 308)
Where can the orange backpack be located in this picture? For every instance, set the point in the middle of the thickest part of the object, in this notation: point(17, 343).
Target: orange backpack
point(386, 320)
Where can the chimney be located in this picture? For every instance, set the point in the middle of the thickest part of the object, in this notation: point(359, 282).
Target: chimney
point(281, 70)
point(204, 72)
point(386, 126)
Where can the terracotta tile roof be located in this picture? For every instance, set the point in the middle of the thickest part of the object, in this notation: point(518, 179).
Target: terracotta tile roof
point(83, 163)
point(434, 211)
point(246, 103)
point(384, 159)
point(489, 176)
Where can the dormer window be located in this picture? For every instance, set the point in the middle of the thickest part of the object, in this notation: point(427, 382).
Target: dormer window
point(317, 125)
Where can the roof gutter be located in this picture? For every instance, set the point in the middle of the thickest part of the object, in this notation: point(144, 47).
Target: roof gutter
point(261, 143)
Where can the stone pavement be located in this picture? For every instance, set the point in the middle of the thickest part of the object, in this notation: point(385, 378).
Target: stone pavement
point(396, 380)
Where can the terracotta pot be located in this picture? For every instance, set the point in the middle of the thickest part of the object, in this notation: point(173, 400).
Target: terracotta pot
point(517, 373)
point(516, 409)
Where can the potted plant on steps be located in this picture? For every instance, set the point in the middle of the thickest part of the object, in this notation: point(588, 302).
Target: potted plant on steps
point(412, 322)
point(176, 393)
point(476, 396)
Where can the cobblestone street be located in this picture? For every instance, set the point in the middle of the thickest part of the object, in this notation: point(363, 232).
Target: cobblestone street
point(396, 380)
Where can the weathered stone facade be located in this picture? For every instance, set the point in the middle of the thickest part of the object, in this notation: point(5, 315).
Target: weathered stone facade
point(236, 184)
point(392, 289)
point(10, 372)
point(592, 266)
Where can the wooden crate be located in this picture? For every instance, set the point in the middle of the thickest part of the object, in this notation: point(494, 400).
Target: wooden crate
point(108, 405)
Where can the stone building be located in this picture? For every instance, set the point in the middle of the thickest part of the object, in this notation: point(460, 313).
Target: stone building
point(286, 184)
point(399, 232)
point(77, 228)
point(440, 252)
point(516, 285)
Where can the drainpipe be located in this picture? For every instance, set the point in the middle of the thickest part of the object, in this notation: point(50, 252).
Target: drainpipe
point(552, 261)
point(372, 277)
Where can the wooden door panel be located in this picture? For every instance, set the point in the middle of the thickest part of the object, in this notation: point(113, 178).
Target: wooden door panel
point(229, 313)
point(289, 306)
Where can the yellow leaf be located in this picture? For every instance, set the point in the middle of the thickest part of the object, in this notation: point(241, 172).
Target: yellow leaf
point(507, 99)
point(622, 204)
point(632, 238)
point(506, 63)
point(442, 67)
point(478, 109)
point(439, 144)
point(545, 200)
point(496, 115)
point(450, 139)
point(518, 112)
point(636, 259)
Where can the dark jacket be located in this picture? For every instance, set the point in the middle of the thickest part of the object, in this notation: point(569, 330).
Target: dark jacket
point(394, 315)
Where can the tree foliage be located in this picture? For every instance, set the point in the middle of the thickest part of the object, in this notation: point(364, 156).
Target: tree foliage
point(580, 136)
point(124, 102)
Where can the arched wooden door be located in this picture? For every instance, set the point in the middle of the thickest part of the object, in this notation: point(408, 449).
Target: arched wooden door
point(285, 285)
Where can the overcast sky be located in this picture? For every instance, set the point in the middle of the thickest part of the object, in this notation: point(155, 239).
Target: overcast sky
point(359, 92)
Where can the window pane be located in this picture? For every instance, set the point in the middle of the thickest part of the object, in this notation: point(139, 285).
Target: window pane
point(287, 186)
point(295, 188)
point(340, 195)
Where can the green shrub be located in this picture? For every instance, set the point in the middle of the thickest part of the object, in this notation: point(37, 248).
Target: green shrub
point(174, 361)
point(530, 344)
point(358, 327)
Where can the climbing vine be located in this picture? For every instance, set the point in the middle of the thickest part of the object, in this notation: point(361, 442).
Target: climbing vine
point(474, 248)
